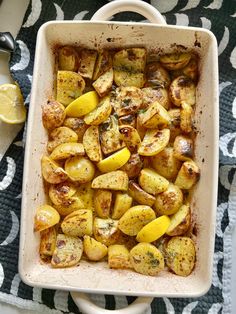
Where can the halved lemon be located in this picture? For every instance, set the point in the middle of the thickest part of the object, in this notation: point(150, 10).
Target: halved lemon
point(82, 105)
point(12, 109)
point(114, 161)
point(154, 229)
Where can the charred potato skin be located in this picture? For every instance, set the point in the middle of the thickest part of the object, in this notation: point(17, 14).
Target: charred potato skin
point(139, 195)
point(53, 114)
point(133, 166)
point(182, 89)
point(102, 203)
point(183, 148)
point(188, 175)
point(156, 75)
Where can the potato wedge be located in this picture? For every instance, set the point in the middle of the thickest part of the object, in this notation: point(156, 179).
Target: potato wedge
point(118, 256)
point(69, 206)
point(175, 61)
point(188, 175)
point(114, 161)
point(93, 249)
point(190, 70)
point(129, 79)
point(99, 114)
point(53, 114)
point(106, 230)
point(154, 142)
point(87, 62)
point(175, 124)
point(182, 89)
point(48, 239)
point(122, 203)
point(52, 172)
point(70, 85)
point(130, 136)
point(91, 143)
point(169, 201)
point(114, 180)
point(86, 194)
point(77, 125)
point(78, 223)
point(68, 251)
point(139, 127)
point(135, 218)
point(67, 150)
point(80, 169)
point(186, 114)
point(127, 120)
point(102, 203)
point(139, 195)
point(60, 193)
point(103, 64)
point(151, 94)
point(133, 166)
point(180, 221)
point(82, 105)
point(130, 59)
point(180, 255)
point(156, 75)
point(46, 216)
point(146, 259)
point(59, 136)
point(183, 148)
point(103, 83)
point(152, 182)
point(68, 59)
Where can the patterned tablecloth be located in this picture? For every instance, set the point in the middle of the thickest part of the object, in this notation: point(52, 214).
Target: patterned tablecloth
point(216, 15)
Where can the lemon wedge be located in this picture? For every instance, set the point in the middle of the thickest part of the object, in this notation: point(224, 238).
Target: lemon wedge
point(82, 105)
point(114, 161)
point(154, 229)
point(12, 109)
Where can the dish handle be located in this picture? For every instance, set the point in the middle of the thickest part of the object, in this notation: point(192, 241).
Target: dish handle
point(105, 13)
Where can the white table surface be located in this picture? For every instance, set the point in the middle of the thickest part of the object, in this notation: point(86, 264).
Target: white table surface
point(11, 15)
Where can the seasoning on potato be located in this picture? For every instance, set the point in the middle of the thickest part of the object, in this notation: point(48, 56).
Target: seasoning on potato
point(119, 165)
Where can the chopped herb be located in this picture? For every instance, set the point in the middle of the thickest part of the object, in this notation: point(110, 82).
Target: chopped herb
point(125, 102)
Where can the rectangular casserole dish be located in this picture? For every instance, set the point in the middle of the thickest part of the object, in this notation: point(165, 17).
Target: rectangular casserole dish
point(97, 277)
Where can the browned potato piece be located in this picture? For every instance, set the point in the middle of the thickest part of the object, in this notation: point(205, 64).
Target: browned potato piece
point(130, 136)
point(190, 70)
point(180, 221)
point(183, 148)
point(110, 135)
point(103, 83)
point(102, 203)
point(126, 100)
point(169, 201)
point(106, 230)
point(156, 75)
point(66, 150)
point(87, 62)
point(86, 194)
point(53, 114)
point(175, 61)
point(46, 216)
point(77, 125)
point(126, 79)
point(139, 127)
point(182, 89)
point(113, 180)
point(91, 143)
point(152, 182)
point(47, 241)
point(188, 175)
point(154, 142)
point(68, 58)
point(122, 203)
point(52, 172)
point(59, 136)
point(133, 166)
point(166, 164)
point(93, 249)
point(118, 256)
point(186, 118)
point(127, 120)
point(151, 94)
point(78, 223)
point(103, 64)
point(139, 195)
point(70, 205)
point(175, 124)
point(180, 255)
point(61, 193)
point(155, 116)
point(68, 251)
point(130, 59)
point(100, 114)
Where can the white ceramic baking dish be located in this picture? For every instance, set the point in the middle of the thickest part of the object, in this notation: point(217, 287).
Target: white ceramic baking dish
point(158, 37)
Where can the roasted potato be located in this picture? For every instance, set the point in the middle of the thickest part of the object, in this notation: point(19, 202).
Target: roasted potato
point(102, 203)
point(175, 61)
point(87, 62)
point(46, 216)
point(114, 180)
point(188, 175)
point(152, 182)
point(152, 94)
point(68, 251)
point(190, 70)
point(118, 256)
point(80, 169)
point(59, 136)
point(92, 144)
point(180, 221)
point(48, 239)
point(166, 164)
point(135, 218)
point(68, 59)
point(67, 150)
point(180, 255)
point(156, 75)
point(69, 206)
point(146, 259)
point(154, 142)
point(122, 203)
point(99, 114)
point(126, 79)
point(183, 148)
point(133, 166)
point(103, 64)
point(103, 83)
point(186, 114)
point(77, 125)
point(53, 114)
point(139, 127)
point(62, 192)
point(139, 195)
point(106, 230)
point(130, 59)
point(182, 89)
point(169, 201)
point(86, 194)
point(130, 136)
point(70, 85)
point(175, 129)
point(78, 223)
point(52, 172)
point(93, 249)
point(129, 119)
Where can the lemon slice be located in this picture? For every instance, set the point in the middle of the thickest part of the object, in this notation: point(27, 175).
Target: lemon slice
point(12, 109)
point(114, 161)
point(82, 105)
point(154, 229)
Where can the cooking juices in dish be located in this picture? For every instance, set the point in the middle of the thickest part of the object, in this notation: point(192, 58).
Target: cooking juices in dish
point(120, 162)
